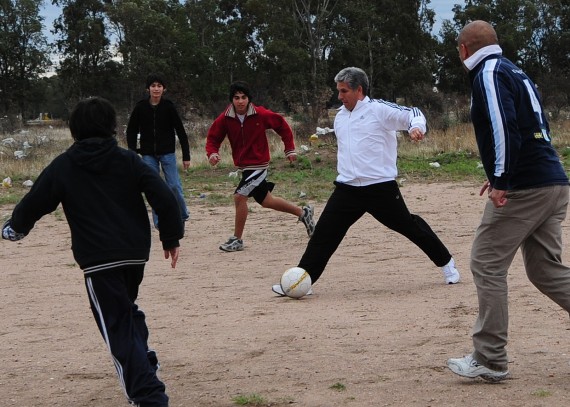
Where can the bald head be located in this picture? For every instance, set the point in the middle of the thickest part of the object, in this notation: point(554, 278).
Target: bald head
point(476, 35)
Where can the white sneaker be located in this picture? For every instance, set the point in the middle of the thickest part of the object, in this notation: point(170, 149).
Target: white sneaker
point(469, 367)
point(450, 273)
point(232, 245)
point(276, 288)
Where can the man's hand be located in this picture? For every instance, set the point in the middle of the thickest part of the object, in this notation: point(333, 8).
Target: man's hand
point(416, 134)
point(497, 196)
point(173, 254)
point(214, 159)
point(186, 164)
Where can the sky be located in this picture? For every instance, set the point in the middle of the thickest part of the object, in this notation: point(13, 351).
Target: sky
point(442, 10)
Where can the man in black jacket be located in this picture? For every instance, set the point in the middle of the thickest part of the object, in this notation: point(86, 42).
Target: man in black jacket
point(100, 187)
point(151, 132)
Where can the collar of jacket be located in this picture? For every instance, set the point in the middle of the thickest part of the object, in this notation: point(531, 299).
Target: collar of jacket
point(358, 105)
point(481, 54)
point(231, 111)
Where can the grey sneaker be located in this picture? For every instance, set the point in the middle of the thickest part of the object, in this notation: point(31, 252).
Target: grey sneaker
point(307, 219)
point(450, 273)
point(467, 366)
point(232, 245)
point(276, 288)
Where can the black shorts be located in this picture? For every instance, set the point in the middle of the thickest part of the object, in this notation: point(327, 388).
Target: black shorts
point(254, 184)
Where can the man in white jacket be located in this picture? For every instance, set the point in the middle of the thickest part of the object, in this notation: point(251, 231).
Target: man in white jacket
point(366, 183)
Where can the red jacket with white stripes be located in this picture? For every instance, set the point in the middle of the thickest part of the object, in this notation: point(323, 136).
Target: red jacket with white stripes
point(248, 140)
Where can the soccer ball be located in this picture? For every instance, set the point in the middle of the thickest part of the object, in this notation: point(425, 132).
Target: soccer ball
point(296, 282)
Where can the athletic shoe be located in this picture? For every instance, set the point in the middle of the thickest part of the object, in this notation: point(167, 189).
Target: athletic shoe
point(276, 288)
point(232, 245)
point(307, 219)
point(450, 273)
point(469, 367)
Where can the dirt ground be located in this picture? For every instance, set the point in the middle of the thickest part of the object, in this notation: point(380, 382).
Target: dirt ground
point(377, 332)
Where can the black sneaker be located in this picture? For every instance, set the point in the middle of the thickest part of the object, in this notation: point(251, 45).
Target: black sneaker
point(307, 219)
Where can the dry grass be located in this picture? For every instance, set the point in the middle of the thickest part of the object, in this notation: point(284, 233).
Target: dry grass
point(39, 144)
point(46, 143)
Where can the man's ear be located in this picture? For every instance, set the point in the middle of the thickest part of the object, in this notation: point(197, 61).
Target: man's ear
point(464, 51)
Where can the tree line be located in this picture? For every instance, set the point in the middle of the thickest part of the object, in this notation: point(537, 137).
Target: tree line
point(288, 50)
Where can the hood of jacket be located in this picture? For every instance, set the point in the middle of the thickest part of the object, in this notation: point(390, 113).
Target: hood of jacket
point(94, 154)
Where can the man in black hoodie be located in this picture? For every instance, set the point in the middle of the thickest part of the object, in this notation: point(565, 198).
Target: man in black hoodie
point(100, 187)
point(152, 130)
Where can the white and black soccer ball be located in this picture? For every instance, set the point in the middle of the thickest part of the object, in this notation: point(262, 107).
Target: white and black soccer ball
point(296, 282)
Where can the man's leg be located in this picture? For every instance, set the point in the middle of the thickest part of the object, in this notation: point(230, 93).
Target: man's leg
point(542, 250)
point(501, 232)
point(386, 204)
point(489, 266)
point(172, 178)
point(153, 162)
point(281, 205)
point(119, 321)
point(340, 213)
point(240, 203)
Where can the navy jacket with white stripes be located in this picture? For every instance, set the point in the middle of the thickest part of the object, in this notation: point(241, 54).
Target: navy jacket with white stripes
point(511, 127)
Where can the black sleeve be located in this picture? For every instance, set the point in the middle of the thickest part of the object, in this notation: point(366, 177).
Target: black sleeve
point(133, 129)
point(43, 198)
point(161, 198)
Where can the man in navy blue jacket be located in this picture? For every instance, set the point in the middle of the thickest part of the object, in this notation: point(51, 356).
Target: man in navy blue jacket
point(100, 187)
point(528, 194)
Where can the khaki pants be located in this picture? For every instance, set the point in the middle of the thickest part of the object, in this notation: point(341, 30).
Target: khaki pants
point(532, 220)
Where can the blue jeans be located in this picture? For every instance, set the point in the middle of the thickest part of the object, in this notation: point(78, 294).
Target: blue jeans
point(168, 164)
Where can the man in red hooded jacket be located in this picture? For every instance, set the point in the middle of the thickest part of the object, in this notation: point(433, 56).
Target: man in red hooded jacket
point(244, 124)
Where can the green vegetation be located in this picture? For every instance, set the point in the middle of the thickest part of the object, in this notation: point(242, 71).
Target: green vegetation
point(541, 393)
point(338, 387)
point(449, 156)
point(249, 400)
point(453, 166)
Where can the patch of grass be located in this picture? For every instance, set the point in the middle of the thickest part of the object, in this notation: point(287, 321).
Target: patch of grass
point(541, 393)
point(252, 399)
point(450, 166)
point(338, 386)
point(565, 157)
point(304, 163)
point(9, 197)
point(58, 214)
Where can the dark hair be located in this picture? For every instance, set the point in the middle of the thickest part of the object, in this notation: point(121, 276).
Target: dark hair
point(239, 86)
point(93, 117)
point(155, 77)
